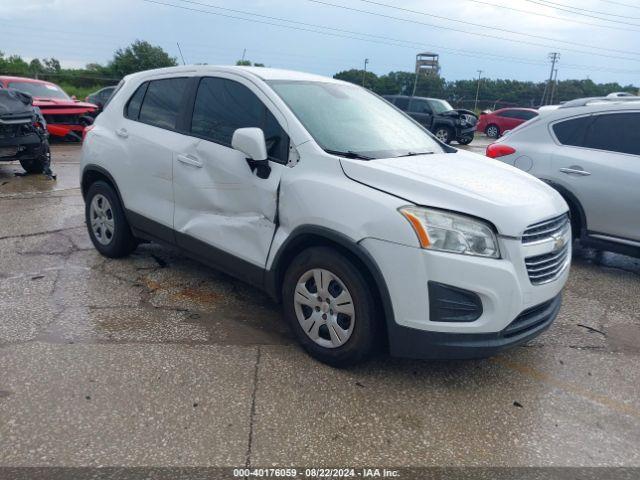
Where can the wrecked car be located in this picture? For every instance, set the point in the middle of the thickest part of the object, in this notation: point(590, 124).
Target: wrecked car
point(66, 118)
point(439, 117)
point(23, 134)
point(369, 231)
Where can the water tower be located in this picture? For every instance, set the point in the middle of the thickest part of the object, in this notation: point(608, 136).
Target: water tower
point(427, 63)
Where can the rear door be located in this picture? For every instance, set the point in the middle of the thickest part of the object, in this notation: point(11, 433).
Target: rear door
point(509, 119)
point(220, 202)
point(600, 163)
point(149, 136)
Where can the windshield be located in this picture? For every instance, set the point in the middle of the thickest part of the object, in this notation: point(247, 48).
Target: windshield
point(41, 90)
point(348, 119)
point(440, 106)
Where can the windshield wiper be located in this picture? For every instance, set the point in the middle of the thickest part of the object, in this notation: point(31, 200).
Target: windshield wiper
point(348, 154)
point(413, 154)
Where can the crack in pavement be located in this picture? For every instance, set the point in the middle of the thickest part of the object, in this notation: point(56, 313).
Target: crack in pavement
point(252, 415)
point(46, 232)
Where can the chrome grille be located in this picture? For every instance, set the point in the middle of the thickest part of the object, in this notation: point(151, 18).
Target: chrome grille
point(547, 267)
point(544, 230)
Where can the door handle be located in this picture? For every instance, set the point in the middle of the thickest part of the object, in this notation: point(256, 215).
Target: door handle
point(189, 160)
point(122, 133)
point(575, 171)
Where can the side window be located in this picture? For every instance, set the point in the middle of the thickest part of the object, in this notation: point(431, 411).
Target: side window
point(132, 111)
point(162, 102)
point(420, 106)
point(615, 132)
point(507, 114)
point(525, 115)
point(222, 106)
point(402, 103)
point(572, 132)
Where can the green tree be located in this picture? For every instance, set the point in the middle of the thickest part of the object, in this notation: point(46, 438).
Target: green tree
point(51, 65)
point(355, 76)
point(138, 56)
point(248, 63)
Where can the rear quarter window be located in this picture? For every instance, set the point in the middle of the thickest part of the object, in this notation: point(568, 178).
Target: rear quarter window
point(573, 131)
point(132, 110)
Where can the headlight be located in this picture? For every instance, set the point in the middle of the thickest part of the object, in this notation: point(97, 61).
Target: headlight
point(450, 232)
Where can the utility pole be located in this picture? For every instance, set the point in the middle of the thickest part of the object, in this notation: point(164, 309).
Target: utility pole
point(475, 105)
point(181, 56)
point(364, 72)
point(554, 57)
point(554, 86)
point(244, 52)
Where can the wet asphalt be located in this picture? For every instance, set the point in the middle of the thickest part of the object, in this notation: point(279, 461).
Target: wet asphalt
point(157, 360)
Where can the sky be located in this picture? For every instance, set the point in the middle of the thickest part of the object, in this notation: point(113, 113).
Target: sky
point(508, 39)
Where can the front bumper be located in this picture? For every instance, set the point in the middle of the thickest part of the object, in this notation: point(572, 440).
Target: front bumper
point(502, 285)
point(465, 132)
point(413, 343)
point(30, 146)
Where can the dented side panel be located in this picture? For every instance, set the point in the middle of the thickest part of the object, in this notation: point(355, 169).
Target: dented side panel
point(221, 202)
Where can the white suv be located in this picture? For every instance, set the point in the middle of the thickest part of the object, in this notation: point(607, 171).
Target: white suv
point(368, 229)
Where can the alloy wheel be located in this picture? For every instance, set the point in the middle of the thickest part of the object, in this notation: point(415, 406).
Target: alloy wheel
point(442, 135)
point(324, 308)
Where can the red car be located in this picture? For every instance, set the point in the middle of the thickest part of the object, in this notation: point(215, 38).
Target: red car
point(65, 117)
point(496, 123)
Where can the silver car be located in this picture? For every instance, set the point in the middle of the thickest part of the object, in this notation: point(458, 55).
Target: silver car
point(590, 153)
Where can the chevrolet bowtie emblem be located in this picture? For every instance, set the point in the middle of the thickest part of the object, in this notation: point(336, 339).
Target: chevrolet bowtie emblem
point(558, 242)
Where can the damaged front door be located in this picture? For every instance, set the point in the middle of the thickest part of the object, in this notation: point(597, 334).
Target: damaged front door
point(219, 201)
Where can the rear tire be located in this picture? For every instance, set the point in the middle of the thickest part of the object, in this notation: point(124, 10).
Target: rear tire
point(492, 131)
point(106, 222)
point(337, 322)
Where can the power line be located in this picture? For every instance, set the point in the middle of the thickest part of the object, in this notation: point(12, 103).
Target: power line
point(491, 27)
point(564, 19)
point(621, 4)
point(581, 14)
point(350, 34)
point(378, 36)
point(342, 33)
point(590, 11)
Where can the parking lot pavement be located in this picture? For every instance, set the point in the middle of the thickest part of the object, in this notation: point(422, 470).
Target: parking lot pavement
point(157, 360)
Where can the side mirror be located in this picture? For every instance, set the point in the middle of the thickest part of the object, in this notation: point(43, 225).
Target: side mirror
point(251, 142)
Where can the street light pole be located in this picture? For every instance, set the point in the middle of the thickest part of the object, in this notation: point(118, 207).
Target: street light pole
point(475, 105)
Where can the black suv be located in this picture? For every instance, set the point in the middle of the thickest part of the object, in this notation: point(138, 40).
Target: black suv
point(101, 97)
point(23, 132)
point(446, 123)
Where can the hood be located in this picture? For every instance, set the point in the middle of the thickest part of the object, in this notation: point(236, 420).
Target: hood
point(463, 182)
point(14, 104)
point(61, 103)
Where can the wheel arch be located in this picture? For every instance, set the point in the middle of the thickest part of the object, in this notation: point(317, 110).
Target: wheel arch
point(575, 207)
point(93, 173)
point(307, 236)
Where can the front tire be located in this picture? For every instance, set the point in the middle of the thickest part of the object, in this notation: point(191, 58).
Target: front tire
point(39, 164)
point(465, 140)
point(444, 134)
point(106, 222)
point(330, 307)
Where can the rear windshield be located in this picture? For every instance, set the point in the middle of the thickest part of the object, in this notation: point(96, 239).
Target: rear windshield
point(41, 90)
